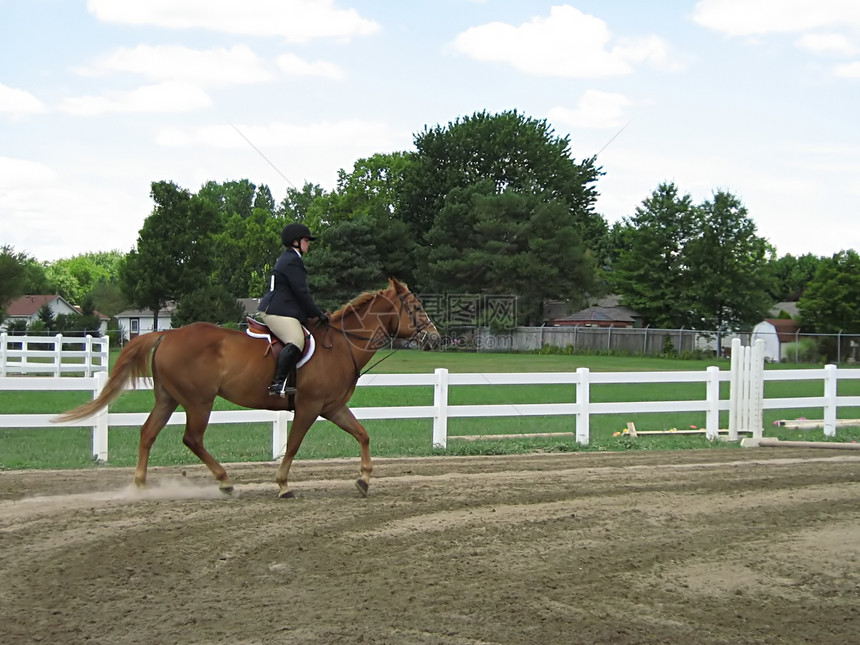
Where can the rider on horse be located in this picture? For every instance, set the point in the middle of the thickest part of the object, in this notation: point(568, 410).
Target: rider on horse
point(288, 304)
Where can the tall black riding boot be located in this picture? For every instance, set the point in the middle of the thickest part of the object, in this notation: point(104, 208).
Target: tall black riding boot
point(287, 360)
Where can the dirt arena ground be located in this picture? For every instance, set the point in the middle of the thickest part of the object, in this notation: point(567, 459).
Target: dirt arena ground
point(699, 547)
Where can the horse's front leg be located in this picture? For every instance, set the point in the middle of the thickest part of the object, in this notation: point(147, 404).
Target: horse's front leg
point(345, 419)
point(298, 429)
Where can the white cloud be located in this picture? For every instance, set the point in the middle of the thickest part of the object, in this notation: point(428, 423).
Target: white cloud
point(567, 43)
point(17, 173)
point(292, 64)
point(283, 135)
point(848, 70)
point(295, 20)
point(163, 97)
point(755, 17)
point(828, 44)
point(218, 67)
point(18, 102)
point(595, 109)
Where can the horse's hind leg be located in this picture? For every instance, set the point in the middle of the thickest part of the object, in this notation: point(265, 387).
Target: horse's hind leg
point(197, 418)
point(157, 419)
point(346, 420)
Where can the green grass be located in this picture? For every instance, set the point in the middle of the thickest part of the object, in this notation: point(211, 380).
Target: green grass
point(71, 447)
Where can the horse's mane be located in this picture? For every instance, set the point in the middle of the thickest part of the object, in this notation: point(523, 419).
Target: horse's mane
point(356, 303)
point(360, 301)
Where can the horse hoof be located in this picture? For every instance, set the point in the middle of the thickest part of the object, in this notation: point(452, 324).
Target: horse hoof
point(227, 490)
point(362, 487)
point(287, 494)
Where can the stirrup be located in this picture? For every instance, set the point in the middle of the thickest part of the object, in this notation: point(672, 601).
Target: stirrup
point(281, 390)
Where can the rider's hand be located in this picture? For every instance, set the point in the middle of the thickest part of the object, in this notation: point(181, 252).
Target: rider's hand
point(324, 318)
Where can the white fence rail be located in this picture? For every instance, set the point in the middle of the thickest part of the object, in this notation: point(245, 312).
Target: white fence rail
point(56, 355)
point(745, 403)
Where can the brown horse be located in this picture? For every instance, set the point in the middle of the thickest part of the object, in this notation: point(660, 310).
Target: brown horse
point(192, 365)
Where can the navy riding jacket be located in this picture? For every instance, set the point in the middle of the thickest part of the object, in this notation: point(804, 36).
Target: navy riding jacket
point(289, 295)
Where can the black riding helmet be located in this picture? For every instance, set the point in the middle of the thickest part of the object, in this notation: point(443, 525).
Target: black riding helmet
point(295, 231)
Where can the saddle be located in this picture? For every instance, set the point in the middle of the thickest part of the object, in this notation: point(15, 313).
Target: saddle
point(274, 345)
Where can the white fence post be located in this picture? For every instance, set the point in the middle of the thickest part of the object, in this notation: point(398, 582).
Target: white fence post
point(3, 357)
point(583, 398)
point(279, 433)
point(734, 388)
point(830, 400)
point(88, 358)
point(440, 403)
point(712, 395)
point(100, 427)
point(58, 355)
point(756, 378)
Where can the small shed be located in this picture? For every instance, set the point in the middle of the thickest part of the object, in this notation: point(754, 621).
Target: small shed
point(134, 322)
point(776, 333)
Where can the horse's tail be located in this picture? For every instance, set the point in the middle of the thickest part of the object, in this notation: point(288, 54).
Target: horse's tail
point(133, 363)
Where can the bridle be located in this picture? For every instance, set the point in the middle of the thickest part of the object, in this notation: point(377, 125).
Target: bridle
point(420, 327)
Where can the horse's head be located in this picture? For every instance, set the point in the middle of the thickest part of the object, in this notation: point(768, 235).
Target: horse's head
point(412, 321)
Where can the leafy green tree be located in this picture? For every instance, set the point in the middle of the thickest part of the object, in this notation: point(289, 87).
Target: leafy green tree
point(727, 263)
point(174, 252)
point(514, 152)
point(831, 302)
point(12, 273)
point(45, 316)
point(344, 261)
point(507, 244)
point(245, 252)
point(366, 229)
point(302, 206)
point(791, 275)
point(210, 303)
point(74, 278)
point(649, 271)
point(230, 197)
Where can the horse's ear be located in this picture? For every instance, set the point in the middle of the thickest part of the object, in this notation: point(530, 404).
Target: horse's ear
point(395, 284)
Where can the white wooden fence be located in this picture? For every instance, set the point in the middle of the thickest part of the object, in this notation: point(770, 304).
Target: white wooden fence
point(66, 354)
point(745, 402)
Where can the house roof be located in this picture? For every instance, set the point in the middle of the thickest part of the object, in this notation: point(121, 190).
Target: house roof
point(167, 310)
point(29, 305)
point(601, 314)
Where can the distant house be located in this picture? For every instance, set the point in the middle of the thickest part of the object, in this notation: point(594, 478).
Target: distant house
point(134, 322)
point(26, 308)
point(607, 312)
point(776, 333)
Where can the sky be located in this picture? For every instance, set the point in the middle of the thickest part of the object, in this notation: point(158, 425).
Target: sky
point(100, 98)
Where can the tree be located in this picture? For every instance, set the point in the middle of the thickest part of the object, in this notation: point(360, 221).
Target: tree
point(514, 152)
point(791, 275)
point(45, 318)
point(507, 244)
point(727, 266)
point(520, 161)
point(174, 252)
point(344, 261)
point(831, 302)
point(12, 274)
point(210, 303)
point(649, 272)
point(245, 252)
point(231, 197)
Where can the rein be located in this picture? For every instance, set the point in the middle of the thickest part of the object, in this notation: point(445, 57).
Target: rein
point(349, 334)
